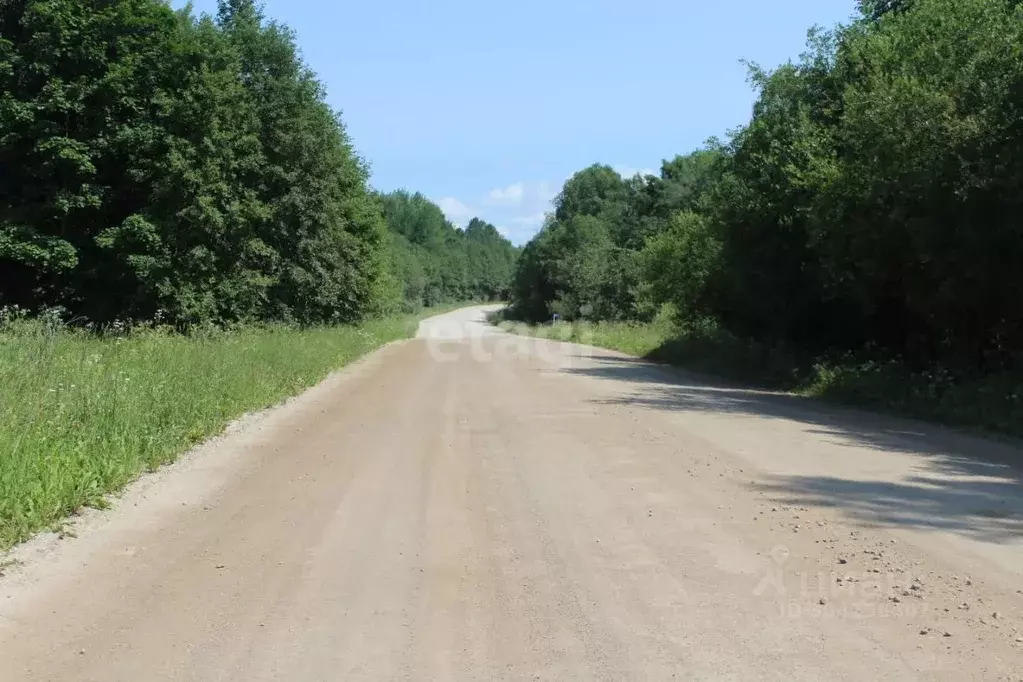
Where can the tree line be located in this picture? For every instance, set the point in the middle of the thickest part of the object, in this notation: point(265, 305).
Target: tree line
point(435, 262)
point(871, 205)
point(159, 165)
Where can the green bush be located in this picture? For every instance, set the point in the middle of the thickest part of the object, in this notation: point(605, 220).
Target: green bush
point(865, 222)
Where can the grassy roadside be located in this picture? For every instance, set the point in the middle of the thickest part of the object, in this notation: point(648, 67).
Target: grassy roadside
point(989, 403)
point(81, 416)
point(635, 339)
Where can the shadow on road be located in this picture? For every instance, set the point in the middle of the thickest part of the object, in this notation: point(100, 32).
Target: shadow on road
point(961, 482)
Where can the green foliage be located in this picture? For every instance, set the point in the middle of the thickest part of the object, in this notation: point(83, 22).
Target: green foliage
point(491, 261)
point(587, 261)
point(82, 415)
point(872, 200)
point(436, 262)
point(638, 339)
point(155, 162)
point(919, 228)
point(597, 191)
point(679, 264)
point(870, 208)
point(992, 402)
point(875, 9)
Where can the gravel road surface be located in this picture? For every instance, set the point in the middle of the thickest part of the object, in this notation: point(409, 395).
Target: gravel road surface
point(473, 505)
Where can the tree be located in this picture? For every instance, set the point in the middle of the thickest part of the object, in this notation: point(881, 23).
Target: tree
point(679, 264)
point(438, 262)
point(920, 225)
point(77, 113)
point(875, 9)
point(156, 163)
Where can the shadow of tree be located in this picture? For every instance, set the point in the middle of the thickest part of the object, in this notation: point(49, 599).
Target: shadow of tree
point(981, 508)
point(961, 482)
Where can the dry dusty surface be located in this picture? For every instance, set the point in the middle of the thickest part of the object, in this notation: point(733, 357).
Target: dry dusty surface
point(478, 506)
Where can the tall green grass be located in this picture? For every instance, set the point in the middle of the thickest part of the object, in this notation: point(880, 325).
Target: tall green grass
point(627, 337)
point(82, 415)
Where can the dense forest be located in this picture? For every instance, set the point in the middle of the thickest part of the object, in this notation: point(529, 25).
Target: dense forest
point(436, 262)
point(871, 206)
point(159, 165)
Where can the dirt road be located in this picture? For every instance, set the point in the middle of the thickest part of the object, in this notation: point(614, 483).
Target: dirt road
point(477, 506)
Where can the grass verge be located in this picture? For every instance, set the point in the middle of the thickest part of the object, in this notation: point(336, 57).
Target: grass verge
point(81, 415)
point(632, 338)
point(991, 403)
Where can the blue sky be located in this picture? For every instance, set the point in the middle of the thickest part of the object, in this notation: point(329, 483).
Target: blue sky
point(487, 107)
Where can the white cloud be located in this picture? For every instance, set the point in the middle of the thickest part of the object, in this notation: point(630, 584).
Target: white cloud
point(531, 212)
point(518, 234)
point(628, 171)
point(518, 210)
point(512, 195)
point(535, 220)
point(457, 212)
point(530, 195)
point(546, 191)
point(521, 228)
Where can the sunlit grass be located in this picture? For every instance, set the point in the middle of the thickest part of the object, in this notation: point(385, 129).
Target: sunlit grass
point(627, 337)
point(81, 416)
